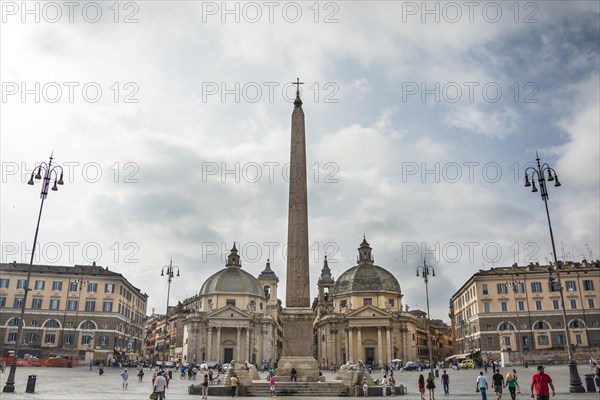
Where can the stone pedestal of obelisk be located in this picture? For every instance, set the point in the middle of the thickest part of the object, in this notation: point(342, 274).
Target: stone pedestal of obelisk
point(298, 316)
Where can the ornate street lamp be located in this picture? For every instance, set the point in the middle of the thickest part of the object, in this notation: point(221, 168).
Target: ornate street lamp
point(543, 173)
point(170, 272)
point(50, 172)
point(427, 270)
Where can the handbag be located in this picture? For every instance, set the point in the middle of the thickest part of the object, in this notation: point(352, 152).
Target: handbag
point(153, 396)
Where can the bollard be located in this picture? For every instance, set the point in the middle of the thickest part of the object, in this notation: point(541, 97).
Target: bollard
point(437, 373)
point(589, 383)
point(31, 384)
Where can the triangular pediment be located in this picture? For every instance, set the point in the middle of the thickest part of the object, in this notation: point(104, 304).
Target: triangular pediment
point(369, 311)
point(229, 312)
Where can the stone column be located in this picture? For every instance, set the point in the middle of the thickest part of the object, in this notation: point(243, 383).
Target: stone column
point(218, 347)
point(388, 337)
point(351, 346)
point(260, 344)
point(238, 345)
point(209, 345)
point(248, 349)
point(379, 348)
point(347, 342)
point(359, 351)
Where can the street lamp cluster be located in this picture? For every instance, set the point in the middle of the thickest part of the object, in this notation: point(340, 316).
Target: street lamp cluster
point(427, 270)
point(170, 273)
point(50, 172)
point(543, 173)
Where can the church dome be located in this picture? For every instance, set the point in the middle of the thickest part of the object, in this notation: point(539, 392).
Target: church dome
point(366, 276)
point(232, 279)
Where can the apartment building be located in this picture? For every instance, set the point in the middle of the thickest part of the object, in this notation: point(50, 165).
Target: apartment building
point(518, 309)
point(84, 311)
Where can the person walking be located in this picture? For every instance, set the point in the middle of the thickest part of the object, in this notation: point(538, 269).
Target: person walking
point(365, 386)
point(205, 387)
point(482, 385)
point(511, 384)
point(498, 381)
point(125, 376)
point(596, 373)
point(234, 385)
point(272, 386)
point(160, 385)
point(446, 382)
point(421, 385)
point(430, 385)
point(141, 375)
point(540, 382)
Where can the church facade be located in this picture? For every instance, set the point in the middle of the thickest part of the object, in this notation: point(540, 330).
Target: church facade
point(359, 316)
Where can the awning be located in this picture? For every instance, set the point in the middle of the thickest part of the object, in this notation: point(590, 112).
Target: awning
point(465, 355)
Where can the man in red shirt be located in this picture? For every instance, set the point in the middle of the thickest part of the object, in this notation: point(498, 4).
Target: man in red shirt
point(541, 381)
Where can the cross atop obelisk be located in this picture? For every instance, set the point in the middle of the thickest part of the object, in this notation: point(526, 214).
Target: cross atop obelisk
point(297, 282)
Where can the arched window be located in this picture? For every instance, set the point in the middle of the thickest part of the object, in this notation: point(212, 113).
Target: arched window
point(541, 325)
point(576, 323)
point(51, 323)
point(12, 322)
point(88, 325)
point(506, 326)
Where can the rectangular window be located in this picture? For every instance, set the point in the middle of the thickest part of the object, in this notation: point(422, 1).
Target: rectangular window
point(50, 338)
point(343, 303)
point(54, 304)
point(486, 307)
point(109, 288)
point(506, 340)
point(526, 341)
point(538, 305)
point(573, 303)
point(560, 339)
point(230, 302)
point(490, 341)
point(502, 288)
point(484, 288)
point(56, 286)
point(571, 286)
point(39, 285)
point(90, 305)
point(107, 306)
point(68, 339)
point(86, 339)
point(521, 305)
point(4, 282)
point(536, 287)
point(553, 286)
point(591, 303)
point(18, 303)
point(555, 304)
point(2, 301)
point(519, 287)
point(36, 303)
point(504, 306)
point(73, 287)
point(12, 337)
point(391, 302)
point(72, 305)
point(103, 340)
point(588, 284)
point(92, 287)
point(578, 339)
point(31, 337)
point(367, 301)
point(543, 340)
point(21, 283)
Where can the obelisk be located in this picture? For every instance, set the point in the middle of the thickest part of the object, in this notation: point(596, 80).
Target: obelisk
point(298, 316)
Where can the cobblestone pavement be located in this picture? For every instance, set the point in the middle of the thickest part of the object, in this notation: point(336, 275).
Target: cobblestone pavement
point(83, 384)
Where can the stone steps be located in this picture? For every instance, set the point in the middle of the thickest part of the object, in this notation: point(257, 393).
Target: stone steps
point(322, 389)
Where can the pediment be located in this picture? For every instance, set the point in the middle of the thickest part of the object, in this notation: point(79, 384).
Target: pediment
point(369, 311)
point(229, 312)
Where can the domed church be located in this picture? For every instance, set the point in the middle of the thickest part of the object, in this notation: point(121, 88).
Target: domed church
point(235, 316)
point(359, 316)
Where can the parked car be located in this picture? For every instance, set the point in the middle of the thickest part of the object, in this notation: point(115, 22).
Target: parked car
point(412, 366)
point(169, 364)
point(466, 364)
point(213, 365)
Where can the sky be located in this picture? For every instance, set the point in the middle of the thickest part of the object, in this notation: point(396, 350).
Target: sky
point(171, 122)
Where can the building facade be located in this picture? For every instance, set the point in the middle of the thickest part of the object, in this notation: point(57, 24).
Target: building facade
point(359, 316)
point(84, 311)
point(517, 309)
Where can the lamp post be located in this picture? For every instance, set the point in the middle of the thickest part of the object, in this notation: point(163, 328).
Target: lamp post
point(517, 286)
point(50, 172)
point(537, 172)
point(427, 270)
point(170, 275)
